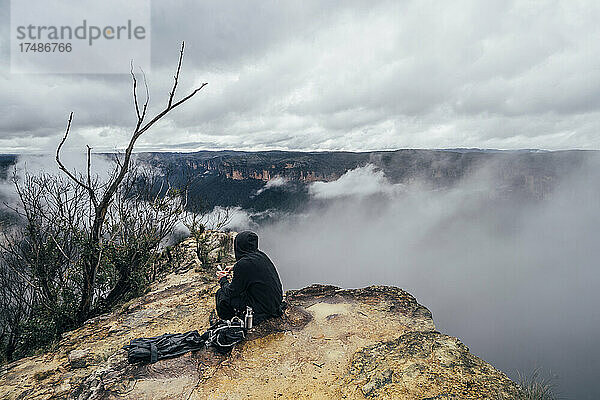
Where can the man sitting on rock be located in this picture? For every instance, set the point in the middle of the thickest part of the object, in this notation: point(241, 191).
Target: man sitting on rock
point(254, 283)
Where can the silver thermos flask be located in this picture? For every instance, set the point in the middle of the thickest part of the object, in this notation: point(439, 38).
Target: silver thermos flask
point(248, 320)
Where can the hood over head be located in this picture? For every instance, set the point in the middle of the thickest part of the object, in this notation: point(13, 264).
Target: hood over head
point(245, 242)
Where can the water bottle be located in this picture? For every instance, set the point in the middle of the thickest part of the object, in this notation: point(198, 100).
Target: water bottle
point(248, 319)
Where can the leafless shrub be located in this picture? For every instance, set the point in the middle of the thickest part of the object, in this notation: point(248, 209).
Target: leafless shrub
point(82, 244)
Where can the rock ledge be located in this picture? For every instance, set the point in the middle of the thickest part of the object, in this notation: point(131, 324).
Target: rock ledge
point(331, 343)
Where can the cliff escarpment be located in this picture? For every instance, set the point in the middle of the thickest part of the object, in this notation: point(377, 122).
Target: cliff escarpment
point(529, 174)
point(331, 343)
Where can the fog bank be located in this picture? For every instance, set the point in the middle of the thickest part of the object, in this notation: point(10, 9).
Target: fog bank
point(517, 281)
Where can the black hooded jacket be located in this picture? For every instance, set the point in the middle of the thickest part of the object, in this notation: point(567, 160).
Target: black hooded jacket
point(255, 283)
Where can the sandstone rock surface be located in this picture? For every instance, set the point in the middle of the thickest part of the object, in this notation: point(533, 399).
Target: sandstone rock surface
point(332, 343)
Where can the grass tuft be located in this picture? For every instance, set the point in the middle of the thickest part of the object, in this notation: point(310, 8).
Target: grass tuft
point(534, 386)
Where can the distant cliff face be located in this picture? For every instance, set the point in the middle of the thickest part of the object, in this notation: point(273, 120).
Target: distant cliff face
point(529, 174)
point(375, 342)
point(230, 178)
point(237, 169)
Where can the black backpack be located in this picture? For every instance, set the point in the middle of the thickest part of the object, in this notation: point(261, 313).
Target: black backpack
point(222, 336)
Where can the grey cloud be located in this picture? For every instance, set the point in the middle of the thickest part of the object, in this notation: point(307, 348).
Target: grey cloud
point(225, 34)
point(351, 75)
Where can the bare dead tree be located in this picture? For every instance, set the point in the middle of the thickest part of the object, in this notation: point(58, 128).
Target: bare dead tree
point(43, 256)
point(102, 201)
point(145, 210)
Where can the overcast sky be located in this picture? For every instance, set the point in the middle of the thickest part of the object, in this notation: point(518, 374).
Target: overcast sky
point(329, 75)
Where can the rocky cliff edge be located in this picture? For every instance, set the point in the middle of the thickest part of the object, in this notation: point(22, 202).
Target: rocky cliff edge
point(376, 343)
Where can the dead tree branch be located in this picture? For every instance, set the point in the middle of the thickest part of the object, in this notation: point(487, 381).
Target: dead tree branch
point(102, 202)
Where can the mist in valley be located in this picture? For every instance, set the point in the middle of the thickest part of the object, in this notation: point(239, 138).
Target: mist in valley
point(516, 280)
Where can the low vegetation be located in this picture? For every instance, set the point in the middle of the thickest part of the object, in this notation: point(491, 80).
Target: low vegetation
point(80, 244)
point(535, 386)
